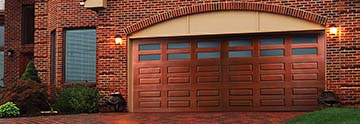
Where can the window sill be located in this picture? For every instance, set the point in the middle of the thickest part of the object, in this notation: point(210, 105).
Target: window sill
point(82, 84)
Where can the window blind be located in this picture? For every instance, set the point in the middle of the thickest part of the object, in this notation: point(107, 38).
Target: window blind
point(80, 56)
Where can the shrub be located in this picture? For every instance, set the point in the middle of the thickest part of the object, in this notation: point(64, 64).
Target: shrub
point(28, 95)
point(9, 109)
point(77, 99)
point(31, 73)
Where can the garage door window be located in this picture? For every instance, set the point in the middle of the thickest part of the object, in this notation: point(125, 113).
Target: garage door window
point(208, 55)
point(149, 57)
point(178, 45)
point(208, 44)
point(273, 41)
point(304, 51)
point(149, 47)
point(272, 53)
point(240, 43)
point(233, 54)
point(304, 40)
point(179, 56)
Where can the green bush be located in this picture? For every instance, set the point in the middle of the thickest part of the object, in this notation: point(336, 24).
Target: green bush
point(77, 99)
point(31, 73)
point(9, 109)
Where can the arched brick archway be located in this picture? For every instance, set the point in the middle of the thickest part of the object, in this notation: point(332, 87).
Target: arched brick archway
point(223, 6)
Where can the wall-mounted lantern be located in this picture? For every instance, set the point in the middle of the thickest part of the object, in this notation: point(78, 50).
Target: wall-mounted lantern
point(118, 40)
point(10, 53)
point(334, 30)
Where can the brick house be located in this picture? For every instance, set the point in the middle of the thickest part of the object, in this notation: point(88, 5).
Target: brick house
point(194, 55)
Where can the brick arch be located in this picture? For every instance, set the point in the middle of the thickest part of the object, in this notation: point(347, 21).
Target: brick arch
point(223, 6)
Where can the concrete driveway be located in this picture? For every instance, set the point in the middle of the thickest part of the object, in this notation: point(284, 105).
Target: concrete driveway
point(160, 118)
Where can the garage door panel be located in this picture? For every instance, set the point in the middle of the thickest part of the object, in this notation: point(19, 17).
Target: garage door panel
point(179, 104)
point(149, 76)
point(307, 76)
point(179, 93)
point(149, 81)
point(272, 77)
point(241, 68)
point(179, 80)
point(305, 91)
point(272, 91)
point(208, 79)
point(272, 102)
point(178, 69)
point(305, 65)
point(241, 92)
point(153, 70)
point(149, 94)
point(304, 71)
point(208, 92)
point(272, 72)
point(272, 66)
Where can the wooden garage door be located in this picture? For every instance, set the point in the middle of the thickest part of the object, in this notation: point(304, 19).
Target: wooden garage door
point(243, 73)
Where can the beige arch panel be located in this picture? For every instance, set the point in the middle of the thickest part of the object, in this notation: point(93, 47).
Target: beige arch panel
point(226, 22)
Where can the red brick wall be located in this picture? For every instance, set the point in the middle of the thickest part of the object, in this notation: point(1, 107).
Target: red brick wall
point(14, 66)
point(342, 69)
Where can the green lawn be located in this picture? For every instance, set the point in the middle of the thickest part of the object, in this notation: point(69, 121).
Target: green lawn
point(329, 116)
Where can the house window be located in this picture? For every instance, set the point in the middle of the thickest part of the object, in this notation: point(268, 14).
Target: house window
point(53, 56)
point(80, 56)
point(2, 36)
point(28, 15)
point(2, 68)
point(2, 55)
